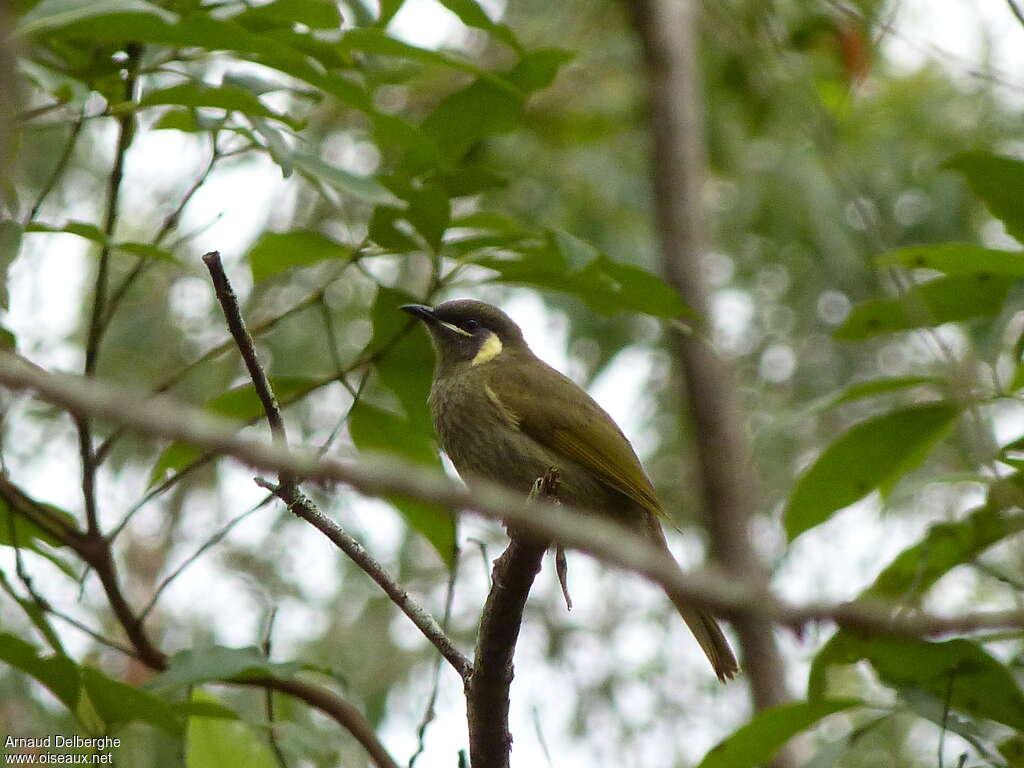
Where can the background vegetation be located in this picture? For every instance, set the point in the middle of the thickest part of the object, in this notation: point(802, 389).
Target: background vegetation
point(864, 223)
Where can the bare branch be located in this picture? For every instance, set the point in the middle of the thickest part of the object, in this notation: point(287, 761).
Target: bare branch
point(667, 31)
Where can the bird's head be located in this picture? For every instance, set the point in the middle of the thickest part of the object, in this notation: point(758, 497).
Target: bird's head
point(468, 332)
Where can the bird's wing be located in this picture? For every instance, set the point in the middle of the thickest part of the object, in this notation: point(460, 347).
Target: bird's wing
point(566, 419)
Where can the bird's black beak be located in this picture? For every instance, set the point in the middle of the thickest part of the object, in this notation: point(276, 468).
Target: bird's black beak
point(421, 311)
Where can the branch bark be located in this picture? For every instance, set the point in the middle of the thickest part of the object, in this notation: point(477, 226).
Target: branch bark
point(487, 689)
point(667, 33)
point(731, 596)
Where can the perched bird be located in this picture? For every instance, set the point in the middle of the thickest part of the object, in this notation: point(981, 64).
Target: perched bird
point(505, 415)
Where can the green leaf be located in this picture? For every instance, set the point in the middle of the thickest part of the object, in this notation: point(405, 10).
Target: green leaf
point(365, 188)
point(956, 259)
point(7, 339)
point(874, 387)
point(472, 15)
point(378, 431)
point(146, 251)
point(872, 454)
point(388, 9)
point(997, 180)
point(201, 665)
point(429, 210)
point(58, 673)
point(28, 532)
point(214, 742)
point(755, 743)
point(228, 97)
point(946, 545)
point(569, 265)
point(376, 41)
point(944, 300)
point(981, 686)
point(50, 14)
point(276, 252)
point(10, 246)
point(467, 116)
point(317, 14)
point(240, 404)
point(201, 30)
point(118, 702)
point(83, 229)
point(538, 68)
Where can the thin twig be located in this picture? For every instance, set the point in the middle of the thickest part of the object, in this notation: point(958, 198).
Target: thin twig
point(125, 134)
point(58, 169)
point(170, 223)
point(430, 711)
point(337, 708)
point(205, 547)
point(1016, 11)
point(269, 694)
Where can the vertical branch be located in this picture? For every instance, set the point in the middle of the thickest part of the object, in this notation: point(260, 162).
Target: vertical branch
point(487, 690)
point(669, 43)
point(125, 134)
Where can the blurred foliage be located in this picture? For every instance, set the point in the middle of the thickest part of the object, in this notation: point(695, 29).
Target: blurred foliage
point(866, 287)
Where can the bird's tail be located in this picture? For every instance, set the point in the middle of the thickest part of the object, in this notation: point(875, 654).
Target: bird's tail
point(711, 638)
point(701, 622)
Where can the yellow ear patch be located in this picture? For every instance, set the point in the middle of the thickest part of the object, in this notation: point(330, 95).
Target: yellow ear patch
point(489, 350)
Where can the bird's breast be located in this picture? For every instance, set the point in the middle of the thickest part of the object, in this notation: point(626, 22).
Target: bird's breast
point(484, 440)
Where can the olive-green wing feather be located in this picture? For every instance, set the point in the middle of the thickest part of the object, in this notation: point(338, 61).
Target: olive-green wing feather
point(561, 416)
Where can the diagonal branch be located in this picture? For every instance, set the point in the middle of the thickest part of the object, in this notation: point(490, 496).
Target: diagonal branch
point(728, 595)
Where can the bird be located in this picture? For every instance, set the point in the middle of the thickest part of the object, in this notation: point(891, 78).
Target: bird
point(504, 415)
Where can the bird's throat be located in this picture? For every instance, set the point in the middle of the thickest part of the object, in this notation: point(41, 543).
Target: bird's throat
point(489, 350)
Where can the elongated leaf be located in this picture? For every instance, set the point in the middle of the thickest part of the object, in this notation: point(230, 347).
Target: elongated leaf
point(569, 265)
point(960, 670)
point(944, 300)
point(875, 387)
point(946, 545)
point(201, 665)
point(473, 15)
point(58, 673)
point(755, 743)
point(201, 30)
point(276, 252)
point(365, 188)
point(214, 742)
point(118, 702)
point(371, 40)
point(318, 14)
point(228, 97)
point(472, 114)
point(997, 180)
point(956, 259)
point(18, 513)
point(49, 14)
point(872, 454)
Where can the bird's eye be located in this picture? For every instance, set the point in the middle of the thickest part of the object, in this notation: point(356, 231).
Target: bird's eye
point(471, 325)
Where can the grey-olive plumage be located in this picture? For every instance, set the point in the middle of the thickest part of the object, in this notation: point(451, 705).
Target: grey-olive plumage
point(504, 415)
